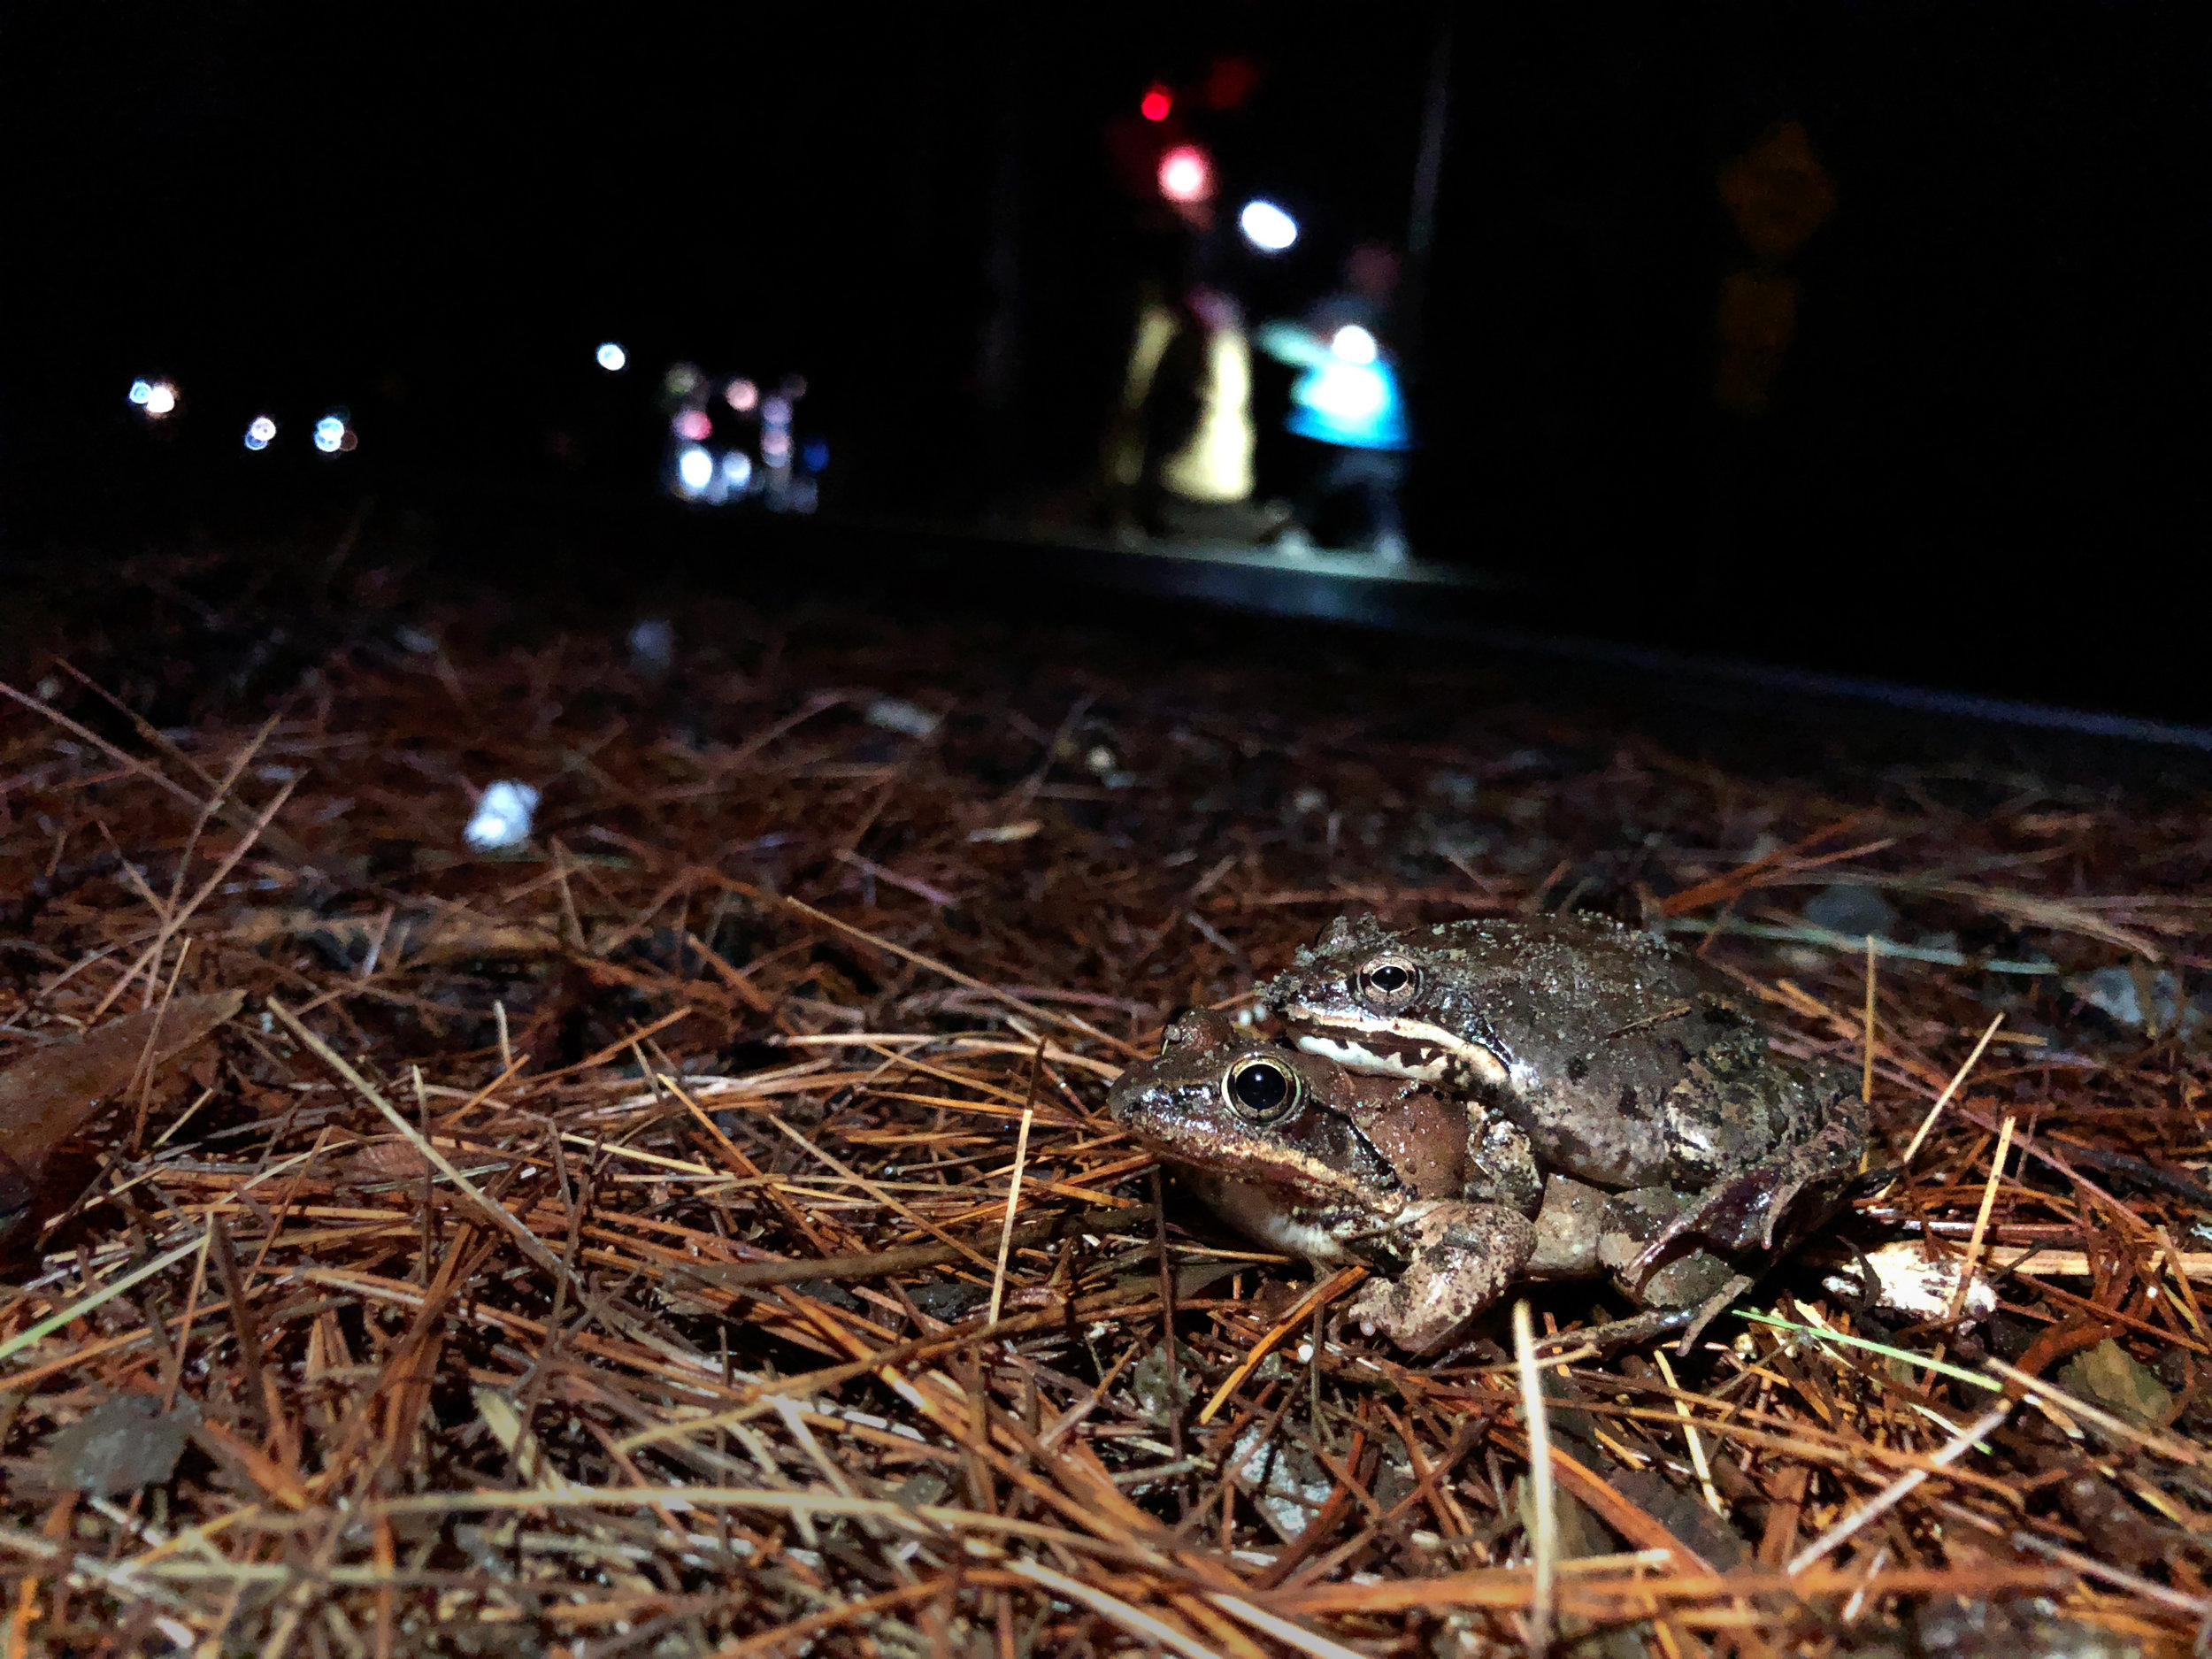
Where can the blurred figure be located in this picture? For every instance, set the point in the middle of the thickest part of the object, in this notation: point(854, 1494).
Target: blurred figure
point(1347, 401)
point(1179, 456)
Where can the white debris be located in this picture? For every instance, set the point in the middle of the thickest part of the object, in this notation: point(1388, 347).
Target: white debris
point(1289, 1485)
point(653, 646)
point(896, 714)
point(502, 816)
point(1021, 830)
point(1909, 1280)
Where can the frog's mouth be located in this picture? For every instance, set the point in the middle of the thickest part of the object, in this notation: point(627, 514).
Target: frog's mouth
point(1402, 1048)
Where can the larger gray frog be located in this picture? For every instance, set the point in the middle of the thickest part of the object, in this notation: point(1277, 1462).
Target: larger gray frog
point(1645, 1089)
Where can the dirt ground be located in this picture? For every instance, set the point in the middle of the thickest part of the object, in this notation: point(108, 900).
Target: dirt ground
point(694, 1228)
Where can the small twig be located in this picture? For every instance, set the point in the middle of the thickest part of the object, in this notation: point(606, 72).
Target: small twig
point(1950, 1088)
point(1689, 1433)
point(1981, 1220)
point(1866, 1076)
point(1544, 1535)
point(1898, 1489)
point(1013, 1203)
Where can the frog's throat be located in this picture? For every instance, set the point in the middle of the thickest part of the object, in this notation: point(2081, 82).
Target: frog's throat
point(1404, 1047)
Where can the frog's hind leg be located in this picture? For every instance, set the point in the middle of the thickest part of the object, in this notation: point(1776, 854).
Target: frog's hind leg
point(1760, 1207)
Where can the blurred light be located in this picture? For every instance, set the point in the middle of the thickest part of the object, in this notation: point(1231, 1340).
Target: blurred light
point(611, 358)
point(142, 390)
point(794, 386)
point(160, 399)
point(1353, 343)
point(693, 425)
point(1155, 105)
point(775, 446)
point(1185, 175)
point(261, 434)
point(681, 381)
point(776, 411)
point(694, 470)
point(1347, 392)
point(737, 469)
point(742, 395)
point(1267, 227)
point(331, 434)
point(816, 455)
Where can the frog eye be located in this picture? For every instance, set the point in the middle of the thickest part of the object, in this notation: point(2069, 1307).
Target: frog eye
point(1263, 1090)
point(1387, 982)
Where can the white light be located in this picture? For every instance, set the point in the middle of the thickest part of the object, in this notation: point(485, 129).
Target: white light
point(1267, 227)
point(330, 433)
point(261, 434)
point(694, 470)
point(611, 358)
point(161, 398)
point(743, 394)
point(502, 816)
point(1353, 343)
point(1185, 175)
point(775, 446)
point(1349, 391)
point(141, 390)
point(737, 469)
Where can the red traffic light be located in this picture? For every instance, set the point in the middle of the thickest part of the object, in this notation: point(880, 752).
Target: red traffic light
point(1157, 103)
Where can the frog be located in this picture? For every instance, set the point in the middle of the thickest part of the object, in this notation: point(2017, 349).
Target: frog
point(1647, 1088)
point(1430, 1192)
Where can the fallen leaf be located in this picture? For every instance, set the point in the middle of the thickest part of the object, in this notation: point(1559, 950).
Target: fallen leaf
point(50, 1094)
point(2109, 1376)
point(121, 1445)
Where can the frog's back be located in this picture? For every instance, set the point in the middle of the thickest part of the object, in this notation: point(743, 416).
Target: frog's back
point(1599, 1027)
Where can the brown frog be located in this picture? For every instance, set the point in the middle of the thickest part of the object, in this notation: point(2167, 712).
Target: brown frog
point(1304, 1156)
point(1633, 1070)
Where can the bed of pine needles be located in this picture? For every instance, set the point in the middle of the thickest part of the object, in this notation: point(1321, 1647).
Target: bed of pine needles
point(696, 1229)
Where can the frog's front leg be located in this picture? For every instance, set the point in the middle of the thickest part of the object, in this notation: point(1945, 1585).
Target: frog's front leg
point(1501, 1163)
point(1460, 1258)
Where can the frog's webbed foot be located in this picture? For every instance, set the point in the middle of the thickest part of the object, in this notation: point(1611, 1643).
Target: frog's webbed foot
point(1463, 1257)
point(1759, 1206)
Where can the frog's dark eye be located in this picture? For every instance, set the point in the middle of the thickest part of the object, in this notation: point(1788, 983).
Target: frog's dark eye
point(1263, 1090)
point(1385, 983)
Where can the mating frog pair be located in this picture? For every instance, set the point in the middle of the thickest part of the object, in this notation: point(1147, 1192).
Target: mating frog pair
point(1490, 1101)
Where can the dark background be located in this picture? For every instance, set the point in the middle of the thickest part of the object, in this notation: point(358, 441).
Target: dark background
point(1982, 464)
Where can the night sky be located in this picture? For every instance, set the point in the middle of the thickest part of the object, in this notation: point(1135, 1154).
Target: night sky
point(1990, 402)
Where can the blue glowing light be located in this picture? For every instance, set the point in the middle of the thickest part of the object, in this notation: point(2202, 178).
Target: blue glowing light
point(816, 455)
point(694, 470)
point(141, 392)
point(1266, 227)
point(261, 434)
point(611, 358)
point(737, 470)
point(331, 434)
